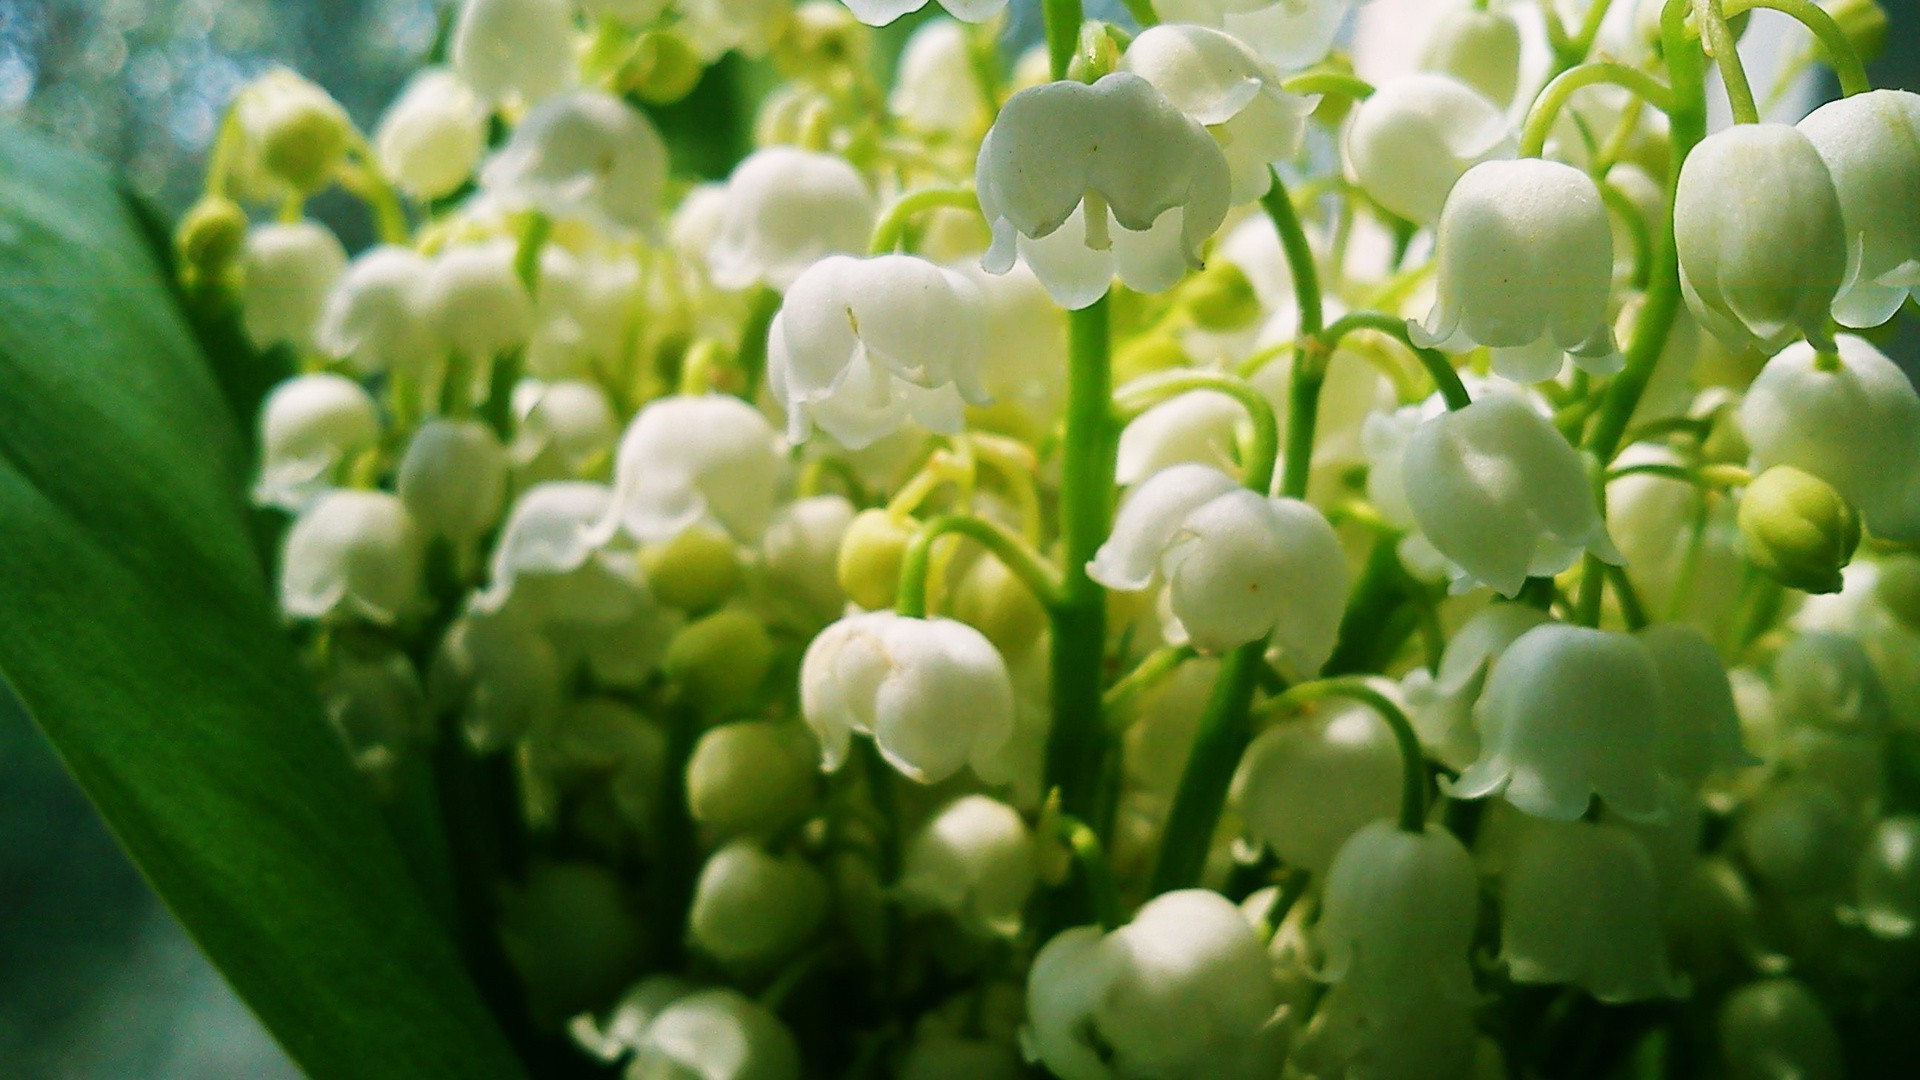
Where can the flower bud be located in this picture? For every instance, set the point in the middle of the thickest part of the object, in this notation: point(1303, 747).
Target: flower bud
point(1440, 705)
point(1886, 885)
point(750, 778)
point(1088, 181)
point(475, 304)
point(312, 428)
point(515, 49)
point(1580, 905)
point(1776, 1028)
point(1238, 564)
point(501, 675)
point(663, 69)
point(718, 1034)
point(432, 136)
point(211, 238)
point(693, 571)
point(1871, 144)
point(286, 274)
point(585, 155)
point(1797, 837)
point(720, 660)
point(1480, 48)
point(933, 693)
point(786, 208)
point(1221, 298)
point(992, 599)
point(752, 910)
point(453, 478)
point(1570, 713)
point(748, 27)
point(1757, 227)
point(1398, 915)
point(353, 554)
point(566, 430)
point(625, 1026)
point(689, 458)
point(300, 133)
point(571, 933)
point(584, 315)
point(1305, 787)
point(1416, 136)
point(871, 551)
point(935, 87)
point(1500, 493)
point(1798, 529)
point(1184, 991)
point(1864, 24)
point(374, 316)
point(821, 43)
point(1850, 417)
point(800, 554)
point(1525, 258)
point(975, 861)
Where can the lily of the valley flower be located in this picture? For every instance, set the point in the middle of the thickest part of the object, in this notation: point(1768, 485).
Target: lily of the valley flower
point(1289, 34)
point(1416, 136)
point(1871, 144)
point(510, 50)
point(1581, 906)
point(860, 345)
point(692, 457)
point(1481, 48)
point(1701, 732)
point(882, 12)
point(453, 478)
point(311, 427)
point(786, 208)
point(287, 272)
point(975, 860)
point(353, 554)
point(1399, 914)
point(1148, 185)
point(374, 317)
point(1440, 704)
point(432, 136)
point(1305, 787)
point(586, 155)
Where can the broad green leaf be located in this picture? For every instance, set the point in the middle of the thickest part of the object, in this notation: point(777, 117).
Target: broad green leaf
point(137, 628)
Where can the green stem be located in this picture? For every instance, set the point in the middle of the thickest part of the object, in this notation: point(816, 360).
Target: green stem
point(1413, 761)
point(1264, 448)
point(892, 228)
point(1077, 745)
point(752, 358)
point(1719, 38)
point(1091, 857)
point(1546, 108)
point(1445, 378)
point(1309, 363)
point(1631, 609)
point(534, 235)
point(1841, 55)
point(1142, 12)
point(1222, 737)
point(1587, 605)
point(1328, 83)
point(1159, 664)
point(1013, 552)
point(1063, 18)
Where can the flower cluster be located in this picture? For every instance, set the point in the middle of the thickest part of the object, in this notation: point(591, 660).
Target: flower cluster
point(1157, 557)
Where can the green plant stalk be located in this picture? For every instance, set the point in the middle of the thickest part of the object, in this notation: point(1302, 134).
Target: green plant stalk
point(1546, 108)
point(1062, 18)
point(1726, 57)
point(1441, 370)
point(1841, 56)
point(1091, 857)
point(892, 228)
point(1309, 362)
point(1013, 552)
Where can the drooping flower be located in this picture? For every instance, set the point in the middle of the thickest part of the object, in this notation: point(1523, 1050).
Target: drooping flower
point(1440, 704)
point(586, 155)
point(936, 87)
point(1479, 47)
point(1238, 564)
point(974, 860)
point(752, 909)
point(691, 457)
point(1871, 144)
point(1399, 912)
point(353, 554)
point(1198, 428)
point(514, 49)
point(1289, 34)
point(786, 208)
point(453, 478)
point(1086, 181)
point(717, 1034)
point(1525, 262)
point(1416, 136)
point(287, 271)
point(296, 132)
point(860, 345)
point(1581, 906)
point(1700, 733)
point(311, 427)
point(432, 136)
point(566, 430)
point(374, 317)
point(882, 12)
point(1305, 787)
point(1776, 1027)
point(475, 304)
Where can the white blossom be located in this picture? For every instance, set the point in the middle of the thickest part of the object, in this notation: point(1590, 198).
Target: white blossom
point(1399, 911)
point(1774, 1028)
point(453, 478)
point(587, 155)
point(432, 136)
point(684, 459)
point(1871, 144)
point(1199, 427)
point(936, 87)
point(502, 676)
point(1440, 703)
point(1701, 729)
point(1416, 136)
point(475, 304)
point(297, 133)
point(287, 271)
point(311, 428)
point(565, 430)
point(509, 50)
point(374, 317)
point(975, 860)
point(717, 1034)
point(1479, 47)
point(1289, 34)
point(801, 550)
point(882, 12)
point(352, 554)
point(1305, 787)
point(1581, 906)
point(583, 315)
point(784, 209)
point(1088, 181)
point(752, 909)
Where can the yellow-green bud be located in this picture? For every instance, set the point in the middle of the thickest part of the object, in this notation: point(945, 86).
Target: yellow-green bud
point(663, 68)
point(720, 661)
point(751, 778)
point(1798, 529)
point(1863, 22)
point(821, 42)
point(1096, 55)
point(1898, 588)
point(1221, 298)
point(1146, 354)
point(999, 605)
point(870, 555)
point(300, 133)
point(695, 570)
point(211, 237)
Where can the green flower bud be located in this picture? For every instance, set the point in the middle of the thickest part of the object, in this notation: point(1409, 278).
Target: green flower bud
point(300, 133)
point(695, 570)
point(663, 69)
point(1898, 588)
point(720, 660)
point(752, 777)
point(1798, 529)
point(210, 238)
point(1220, 297)
point(1863, 22)
point(821, 42)
point(870, 555)
point(999, 605)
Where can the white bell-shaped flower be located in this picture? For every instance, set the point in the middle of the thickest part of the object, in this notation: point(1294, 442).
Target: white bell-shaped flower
point(1149, 185)
point(1289, 34)
point(453, 478)
point(1570, 713)
point(882, 12)
point(287, 271)
point(1199, 427)
point(1798, 838)
point(1398, 914)
point(585, 155)
point(374, 318)
point(584, 315)
point(1776, 1028)
point(975, 861)
point(1757, 226)
point(311, 427)
point(353, 554)
point(1850, 417)
point(1481, 48)
point(687, 458)
point(1416, 136)
point(1871, 144)
point(786, 208)
point(431, 137)
point(1525, 261)
point(717, 1034)
point(749, 27)
point(1580, 905)
point(1304, 787)
point(1499, 492)
point(566, 429)
point(935, 86)
point(861, 345)
point(547, 564)
point(475, 304)
point(801, 551)
point(1182, 992)
point(1238, 564)
point(752, 909)
point(1701, 729)
point(1224, 86)
point(501, 675)
point(515, 49)
point(934, 694)
point(1440, 703)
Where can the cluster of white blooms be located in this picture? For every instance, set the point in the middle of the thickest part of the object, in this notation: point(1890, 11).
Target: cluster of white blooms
point(1178, 554)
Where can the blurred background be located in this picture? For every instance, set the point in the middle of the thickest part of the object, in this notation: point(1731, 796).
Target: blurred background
point(97, 982)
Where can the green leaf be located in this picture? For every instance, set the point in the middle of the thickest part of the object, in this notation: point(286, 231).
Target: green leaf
point(137, 628)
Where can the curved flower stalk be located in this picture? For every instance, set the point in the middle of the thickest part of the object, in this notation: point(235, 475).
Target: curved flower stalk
point(1089, 181)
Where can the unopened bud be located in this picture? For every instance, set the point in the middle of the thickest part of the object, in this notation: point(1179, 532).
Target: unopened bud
point(210, 238)
point(999, 605)
point(1898, 588)
point(721, 660)
point(663, 69)
point(750, 778)
point(695, 570)
point(752, 909)
point(1221, 298)
point(821, 41)
point(299, 131)
point(870, 555)
point(1798, 529)
point(1147, 354)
